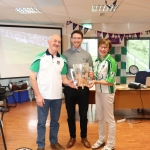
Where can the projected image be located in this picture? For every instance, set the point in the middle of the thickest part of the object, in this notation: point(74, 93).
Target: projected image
point(21, 47)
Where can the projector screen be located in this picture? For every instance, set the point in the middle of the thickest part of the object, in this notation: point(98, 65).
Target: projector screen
point(19, 45)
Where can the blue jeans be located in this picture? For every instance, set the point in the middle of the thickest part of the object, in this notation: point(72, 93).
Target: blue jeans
point(55, 108)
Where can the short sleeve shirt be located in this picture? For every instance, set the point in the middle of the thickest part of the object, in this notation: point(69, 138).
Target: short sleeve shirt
point(105, 69)
point(49, 70)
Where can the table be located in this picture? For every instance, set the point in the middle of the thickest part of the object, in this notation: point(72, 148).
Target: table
point(126, 98)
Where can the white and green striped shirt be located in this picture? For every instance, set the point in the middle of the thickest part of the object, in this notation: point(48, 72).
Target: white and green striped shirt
point(105, 69)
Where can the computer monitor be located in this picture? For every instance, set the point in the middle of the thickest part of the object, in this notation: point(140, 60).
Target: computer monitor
point(147, 82)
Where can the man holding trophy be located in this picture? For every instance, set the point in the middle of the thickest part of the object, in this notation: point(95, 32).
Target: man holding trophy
point(79, 61)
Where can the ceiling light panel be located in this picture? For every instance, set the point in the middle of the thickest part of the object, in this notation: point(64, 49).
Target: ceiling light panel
point(104, 8)
point(30, 10)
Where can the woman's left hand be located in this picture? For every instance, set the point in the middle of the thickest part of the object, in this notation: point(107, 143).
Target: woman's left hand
point(91, 84)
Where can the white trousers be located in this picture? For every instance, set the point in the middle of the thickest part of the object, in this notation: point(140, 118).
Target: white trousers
point(105, 113)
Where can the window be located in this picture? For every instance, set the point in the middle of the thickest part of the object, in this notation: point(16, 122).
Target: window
point(138, 51)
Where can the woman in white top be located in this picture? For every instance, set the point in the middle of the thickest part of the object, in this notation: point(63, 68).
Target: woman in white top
point(104, 75)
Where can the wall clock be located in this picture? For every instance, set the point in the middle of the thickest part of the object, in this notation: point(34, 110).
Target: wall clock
point(133, 69)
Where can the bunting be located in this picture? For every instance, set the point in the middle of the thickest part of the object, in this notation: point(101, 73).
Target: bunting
point(148, 31)
point(80, 27)
point(74, 25)
point(104, 34)
point(68, 22)
point(132, 35)
point(115, 36)
point(98, 33)
point(85, 30)
point(110, 35)
point(121, 36)
point(138, 35)
point(127, 36)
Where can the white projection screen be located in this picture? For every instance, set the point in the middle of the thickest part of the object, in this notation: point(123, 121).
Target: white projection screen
point(19, 45)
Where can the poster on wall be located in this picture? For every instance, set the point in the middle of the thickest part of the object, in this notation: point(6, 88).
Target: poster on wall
point(115, 40)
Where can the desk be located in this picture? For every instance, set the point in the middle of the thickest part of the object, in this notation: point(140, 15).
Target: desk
point(126, 98)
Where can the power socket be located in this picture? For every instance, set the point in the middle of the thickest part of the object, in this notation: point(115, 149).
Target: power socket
point(121, 120)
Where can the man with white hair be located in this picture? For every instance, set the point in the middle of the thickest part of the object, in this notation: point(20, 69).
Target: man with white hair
point(48, 72)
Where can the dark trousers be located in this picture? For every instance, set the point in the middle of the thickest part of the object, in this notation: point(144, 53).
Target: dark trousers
point(80, 96)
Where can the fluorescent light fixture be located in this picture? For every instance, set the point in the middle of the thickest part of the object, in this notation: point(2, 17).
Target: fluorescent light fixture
point(87, 25)
point(30, 10)
point(104, 8)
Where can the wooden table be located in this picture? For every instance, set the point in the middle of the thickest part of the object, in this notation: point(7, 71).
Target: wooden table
point(126, 98)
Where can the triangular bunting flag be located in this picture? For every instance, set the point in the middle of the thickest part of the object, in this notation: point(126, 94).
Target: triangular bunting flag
point(146, 32)
point(121, 36)
point(110, 35)
point(127, 36)
point(68, 22)
point(74, 25)
point(138, 35)
point(132, 35)
point(104, 34)
point(80, 27)
point(98, 33)
point(85, 30)
point(115, 36)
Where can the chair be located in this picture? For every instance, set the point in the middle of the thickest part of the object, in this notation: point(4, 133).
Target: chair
point(2, 110)
point(3, 137)
point(141, 77)
point(4, 97)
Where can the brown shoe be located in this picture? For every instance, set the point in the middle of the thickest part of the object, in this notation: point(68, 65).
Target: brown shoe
point(86, 142)
point(57, 146)
point(41, 149)
point(71, 142)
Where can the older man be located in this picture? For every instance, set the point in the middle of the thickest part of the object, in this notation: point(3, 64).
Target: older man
point(48, 72)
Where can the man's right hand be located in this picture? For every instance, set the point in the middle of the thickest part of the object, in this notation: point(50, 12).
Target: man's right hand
point(71, 84)
point(40, 101)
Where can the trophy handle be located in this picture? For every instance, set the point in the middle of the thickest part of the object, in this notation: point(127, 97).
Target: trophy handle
point(72, 76)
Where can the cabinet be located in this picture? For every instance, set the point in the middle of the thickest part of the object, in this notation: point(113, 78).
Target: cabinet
point(20, 96)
